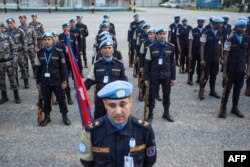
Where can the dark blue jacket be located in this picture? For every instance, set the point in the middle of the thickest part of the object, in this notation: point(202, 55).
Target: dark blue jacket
point(172, 32)
point(226, 30)
point(183, 34)
point(196, 44)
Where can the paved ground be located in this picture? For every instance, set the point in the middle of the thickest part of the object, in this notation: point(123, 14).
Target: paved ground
point(197, 138)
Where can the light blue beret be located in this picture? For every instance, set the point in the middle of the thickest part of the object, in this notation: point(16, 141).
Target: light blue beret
point(104, 33)
point(65, 24)
point(152, 30)
point(146, 26)
point(225, 17)
point(240, 23)
point(106, 37)
point(116, 90)
point(141, 21)
point(106, 42)
point(159, 30)
point(201, 18)
point(244, 18)
point(184, 19)
point(217, 20)
point(47, 35)
point(10, 19)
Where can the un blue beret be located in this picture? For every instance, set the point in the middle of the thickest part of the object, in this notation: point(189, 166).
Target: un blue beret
point(103, 33)
point(225, 17)
point(141, 21)
point(159, 30)
point(152, 30)
point(106, 16)
point(116, 90)
point(106, 42)
point(217, 20)
point(136, 14)
point(33, 14)
point(106, 37)
point(54, 33)
point(177, 16)
point(47, 35)
point(184, 19)
point(1, 24)
point(78, 17)
point(240, 23)
point(146, 26)
point(65, 24)
point(201, 18)
point(22, 16)
point(244, 18)
point(10, 20)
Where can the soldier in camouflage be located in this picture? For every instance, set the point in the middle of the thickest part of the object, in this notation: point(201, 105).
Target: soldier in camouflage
point(39, 30)
point(8, 59)
point(20, 41)
point(32, 41)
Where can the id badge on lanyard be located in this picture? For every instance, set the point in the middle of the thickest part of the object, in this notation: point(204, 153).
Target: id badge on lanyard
point(47, 60)
point(106, 79)
point(160, 61)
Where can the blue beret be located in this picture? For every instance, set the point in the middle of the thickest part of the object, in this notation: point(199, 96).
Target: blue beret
point(106, 16)
point(217, 20)
point(54, 33)
point(10, 20)
point(65, 24)
point(184, 19)
point(1, 24)
point(146, 26)
point(141, 21)
point(78, 17)
point(240, 23)
point(22, 16)
point(177, 16)
point(71, 20)
point(159, 30)
point(152, 30)
point(103, 33)
point(116, 90)
point(136, 14)
point(106, 42)
point(106, 37)
point(244, 18)
point(47, 35)
point(225, 17)
point(104, 24)
point(33, 14)
point(201, 18)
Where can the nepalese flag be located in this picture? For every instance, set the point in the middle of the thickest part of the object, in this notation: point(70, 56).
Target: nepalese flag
point(83, 101)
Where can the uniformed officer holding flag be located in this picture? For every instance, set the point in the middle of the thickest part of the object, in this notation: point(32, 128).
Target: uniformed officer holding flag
point(117, 139)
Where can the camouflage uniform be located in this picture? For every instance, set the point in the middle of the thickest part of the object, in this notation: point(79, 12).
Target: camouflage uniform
point(20, 40)
point(32, 45)
point(8, 57)
point(39, 32)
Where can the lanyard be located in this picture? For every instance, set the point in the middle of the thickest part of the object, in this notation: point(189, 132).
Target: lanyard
point(47, 60)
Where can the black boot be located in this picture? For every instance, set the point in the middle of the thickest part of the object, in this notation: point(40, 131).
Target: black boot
point(213, 92)
point(190, 79)
point(26, 83)
point(236, 111)
point(158, 97)
point(85, 64)
point(34, 72)
point(150, 116)
point(4, 97)
point(46, 120)
point(17, 97)
point(70, 101)
point(222, 112)
point(166, 115)
point(201, 94)
point(66, 120)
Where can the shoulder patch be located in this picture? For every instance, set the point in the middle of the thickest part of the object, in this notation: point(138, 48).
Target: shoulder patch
point(96, 123)
point(170, 44)
point(140, 122)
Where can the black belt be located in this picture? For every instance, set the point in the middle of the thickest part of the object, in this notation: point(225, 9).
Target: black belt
point(5, 60)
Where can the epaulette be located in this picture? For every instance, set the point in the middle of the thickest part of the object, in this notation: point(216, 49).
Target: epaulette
point(170, 44)
point(100, 59)
point(140, 122)
point(96, 123)
point(117, 60)
point(58, 49)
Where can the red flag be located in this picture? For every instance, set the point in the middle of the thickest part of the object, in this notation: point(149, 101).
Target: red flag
point(83, 101)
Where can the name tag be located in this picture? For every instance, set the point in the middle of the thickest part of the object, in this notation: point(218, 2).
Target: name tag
point(128, 161)
point(47, 75)
point(106, 79)
point(173, 30)
point(219, 42)
point(160, 61)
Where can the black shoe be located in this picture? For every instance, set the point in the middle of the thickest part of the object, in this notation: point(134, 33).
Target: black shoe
point(198, 80)
point(26, 84)
point(222, 112)
point(66, 120)
point(189, 82)
point(17, 97)
point(201, 94)
point(150, 117)
point(167, 116)
point(70, 101)
point(214, 94)
point(237, 112)
point(4, 97)
point(45, 121)
point(158, 98)
point(140, 98)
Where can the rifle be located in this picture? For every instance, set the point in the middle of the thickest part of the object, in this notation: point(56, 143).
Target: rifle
point(40, 108)
point(222, 107)
point(146, 103)
point(202, 83)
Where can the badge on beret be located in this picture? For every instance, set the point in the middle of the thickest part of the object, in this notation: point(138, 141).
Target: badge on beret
point(151, 151)
point(120, 93)
point(82, 148)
